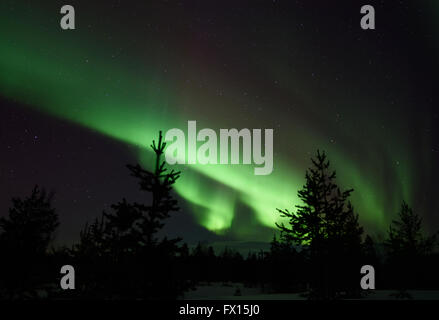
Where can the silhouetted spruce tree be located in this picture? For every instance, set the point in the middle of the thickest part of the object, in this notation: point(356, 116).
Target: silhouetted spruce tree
point(122, 231)
point(405, 236)
point(162, 276)
point(407, 249)
point(139, 264)
point(25, 236)
point(328, 228)
point(159, 184)
point(90, 257)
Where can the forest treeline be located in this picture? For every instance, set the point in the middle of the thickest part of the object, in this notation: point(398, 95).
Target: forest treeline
point(319, 250)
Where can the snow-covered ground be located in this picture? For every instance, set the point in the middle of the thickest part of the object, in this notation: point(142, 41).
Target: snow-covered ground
point(237, 291)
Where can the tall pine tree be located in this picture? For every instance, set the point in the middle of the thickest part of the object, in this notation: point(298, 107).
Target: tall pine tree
point(138, 262)
point(25, 236)
point(328, 229)
point(407, 251)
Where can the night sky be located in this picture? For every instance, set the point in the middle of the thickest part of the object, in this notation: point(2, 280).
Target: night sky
point(76, 106)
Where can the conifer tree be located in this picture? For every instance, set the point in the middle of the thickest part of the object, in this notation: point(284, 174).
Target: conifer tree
point(25, 236)
point(405, 235)
point(139, 263)
point(327, 227)
point(159, 183)
point(408, 250)
point(31, 223)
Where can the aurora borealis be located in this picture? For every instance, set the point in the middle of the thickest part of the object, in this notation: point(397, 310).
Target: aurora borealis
point(368, 98)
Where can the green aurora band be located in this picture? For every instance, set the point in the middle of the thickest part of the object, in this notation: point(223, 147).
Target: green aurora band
point(71, 78)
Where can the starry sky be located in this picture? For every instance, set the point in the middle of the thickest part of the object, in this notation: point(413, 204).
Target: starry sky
point(76, 106)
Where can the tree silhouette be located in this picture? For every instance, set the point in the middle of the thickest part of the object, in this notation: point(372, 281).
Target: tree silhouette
point(408, 249)
point(136, 262)
point(159, 184)
point(31, 223)
point(327, 227)
point(405, 237)
point(25, 236)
